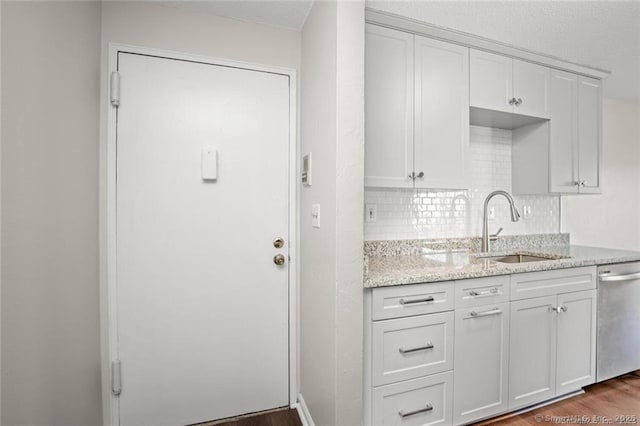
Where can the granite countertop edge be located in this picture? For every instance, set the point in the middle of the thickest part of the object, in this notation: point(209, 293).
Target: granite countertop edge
point(383, 271)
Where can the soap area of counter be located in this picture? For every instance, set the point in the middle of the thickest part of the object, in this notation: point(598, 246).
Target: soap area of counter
point(389, 263)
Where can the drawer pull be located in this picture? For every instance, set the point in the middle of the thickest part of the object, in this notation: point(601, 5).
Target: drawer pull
point(403, 413)
point(429, 345)
point(492, 292)
point(474, 314)
point(411, 302)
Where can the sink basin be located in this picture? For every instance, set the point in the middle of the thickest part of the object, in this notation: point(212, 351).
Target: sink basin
point(519, 258)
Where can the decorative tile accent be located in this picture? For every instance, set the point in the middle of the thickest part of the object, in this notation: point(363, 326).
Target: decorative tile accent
point(420, 213)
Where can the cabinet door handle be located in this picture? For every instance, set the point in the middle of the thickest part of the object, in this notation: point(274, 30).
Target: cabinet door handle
point(518, 101)
point(403, 413)
point(403, 351)
point(494, 311)
point(583, 183)
point(512, 101)
point(410, 302)
point(492, 292)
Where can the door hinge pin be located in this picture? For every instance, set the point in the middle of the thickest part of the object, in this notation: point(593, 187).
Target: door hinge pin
point(116, 378)
point(115, 89)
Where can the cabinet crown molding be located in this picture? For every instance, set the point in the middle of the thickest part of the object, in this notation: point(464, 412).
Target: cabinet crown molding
point(402, 23)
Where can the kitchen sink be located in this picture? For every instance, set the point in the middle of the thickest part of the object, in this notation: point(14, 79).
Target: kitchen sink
point(520, 258)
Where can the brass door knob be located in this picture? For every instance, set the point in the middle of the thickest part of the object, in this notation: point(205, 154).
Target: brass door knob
point(279, 259)
point(278, 243)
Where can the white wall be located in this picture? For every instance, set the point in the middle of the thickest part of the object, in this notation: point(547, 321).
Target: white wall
point(50, 321)
point(332, 91)
point(611, 219)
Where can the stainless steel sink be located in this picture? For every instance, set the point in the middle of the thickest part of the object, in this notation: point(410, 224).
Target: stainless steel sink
point(519, 258)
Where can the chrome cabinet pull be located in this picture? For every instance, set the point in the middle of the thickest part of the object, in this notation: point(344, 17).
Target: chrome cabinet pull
point(512, 101)
point(518, 101)
point(403, 413)
point(409, 302)
point(494, 311)
point(415, 175)
point(429, 345)
point(492, 292)
point(558, 309)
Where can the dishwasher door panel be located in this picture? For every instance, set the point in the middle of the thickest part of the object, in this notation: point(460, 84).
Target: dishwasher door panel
point(618, 340)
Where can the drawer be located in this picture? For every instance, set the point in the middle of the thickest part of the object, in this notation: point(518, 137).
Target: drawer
point(547, 283)
point(407, 348)
point(414, 299)
point(424, 401)
point(481, 291)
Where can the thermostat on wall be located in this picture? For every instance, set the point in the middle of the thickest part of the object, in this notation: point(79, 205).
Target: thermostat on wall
point(306, 169)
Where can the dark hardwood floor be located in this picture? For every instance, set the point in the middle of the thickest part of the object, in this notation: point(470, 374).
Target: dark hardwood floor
point(616, 402)
point(278, 417)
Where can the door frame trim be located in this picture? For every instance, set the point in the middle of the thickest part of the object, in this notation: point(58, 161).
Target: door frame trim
point(107, 216)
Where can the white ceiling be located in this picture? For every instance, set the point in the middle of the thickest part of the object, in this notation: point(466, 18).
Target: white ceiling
point(602, 34)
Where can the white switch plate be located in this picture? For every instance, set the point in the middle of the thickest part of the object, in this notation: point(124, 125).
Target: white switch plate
point(370, 213)
point(315, 215)
point(209, 163)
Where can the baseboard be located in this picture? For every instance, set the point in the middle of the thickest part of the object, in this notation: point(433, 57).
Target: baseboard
point(303, 412)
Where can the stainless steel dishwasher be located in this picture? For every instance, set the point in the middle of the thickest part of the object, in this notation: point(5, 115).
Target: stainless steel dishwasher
point(618, 340)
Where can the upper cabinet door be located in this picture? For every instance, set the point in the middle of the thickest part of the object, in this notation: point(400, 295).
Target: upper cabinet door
point(491, 81)
point(388, 107)
point(441, 114)
point(531, 89)
point(563, 159)
point(589, 134)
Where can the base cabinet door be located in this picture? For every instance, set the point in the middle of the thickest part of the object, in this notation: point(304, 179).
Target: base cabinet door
point(532, 355)
point(481, 362)
point(576, 356)
point(418, 402)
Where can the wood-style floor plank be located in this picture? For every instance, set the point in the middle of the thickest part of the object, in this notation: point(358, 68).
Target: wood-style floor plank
point(278, 417)
point(615, 397)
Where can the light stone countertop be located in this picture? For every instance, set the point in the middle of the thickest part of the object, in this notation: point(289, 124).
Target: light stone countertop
point(454, 264)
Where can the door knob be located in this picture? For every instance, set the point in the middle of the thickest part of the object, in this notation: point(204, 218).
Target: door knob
point(279, 259)
point(278, 243)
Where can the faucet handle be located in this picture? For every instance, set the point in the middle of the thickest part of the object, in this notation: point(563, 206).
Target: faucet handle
point(494, 237)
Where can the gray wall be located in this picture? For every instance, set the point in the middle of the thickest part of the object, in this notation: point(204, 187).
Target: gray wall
point(331, 292)
point(51, 66)
point(50, 318)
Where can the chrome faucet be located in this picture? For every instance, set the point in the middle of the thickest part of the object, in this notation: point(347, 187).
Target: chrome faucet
point(515, 216)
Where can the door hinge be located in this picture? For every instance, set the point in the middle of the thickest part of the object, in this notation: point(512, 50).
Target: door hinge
point(115, 89)
point(116, 377)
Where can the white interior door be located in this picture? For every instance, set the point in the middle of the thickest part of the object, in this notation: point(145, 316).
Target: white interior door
point(202, 309)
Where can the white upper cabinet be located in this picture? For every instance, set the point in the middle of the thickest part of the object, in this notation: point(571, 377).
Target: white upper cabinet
point(414, 82)
point(575, 133)
point(589, 134)
point(388, 107)
point(441, 114)
point(500, 83)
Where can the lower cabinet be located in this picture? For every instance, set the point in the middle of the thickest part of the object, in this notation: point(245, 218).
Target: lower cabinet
point(423, 401)
point(481, 362)
point(552, 346)
point(459, 352)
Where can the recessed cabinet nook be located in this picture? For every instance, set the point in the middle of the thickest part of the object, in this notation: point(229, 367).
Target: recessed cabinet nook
point(456, 352)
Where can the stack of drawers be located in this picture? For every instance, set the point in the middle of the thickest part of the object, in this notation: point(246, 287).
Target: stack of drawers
point(410, 333)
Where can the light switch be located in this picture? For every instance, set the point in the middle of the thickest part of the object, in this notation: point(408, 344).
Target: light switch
point(315, 215)
point(209, 163)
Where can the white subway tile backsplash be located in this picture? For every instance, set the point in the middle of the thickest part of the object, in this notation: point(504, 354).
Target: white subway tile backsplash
point(420, 213)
